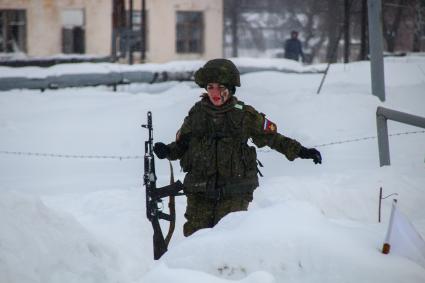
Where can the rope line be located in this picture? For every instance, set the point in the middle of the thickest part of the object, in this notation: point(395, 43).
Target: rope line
point(130, 157)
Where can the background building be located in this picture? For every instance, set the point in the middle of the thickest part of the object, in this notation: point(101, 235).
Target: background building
point(330, 30)
point(51, 27)
point(175, 29)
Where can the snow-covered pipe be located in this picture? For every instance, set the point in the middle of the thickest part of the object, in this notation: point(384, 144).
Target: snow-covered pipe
point(76, 80)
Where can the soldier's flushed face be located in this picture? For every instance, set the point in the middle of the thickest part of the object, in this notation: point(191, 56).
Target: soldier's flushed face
point(217, 93)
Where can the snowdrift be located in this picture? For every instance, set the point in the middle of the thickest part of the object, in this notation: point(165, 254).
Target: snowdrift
point(38, 244)
point(290, 242)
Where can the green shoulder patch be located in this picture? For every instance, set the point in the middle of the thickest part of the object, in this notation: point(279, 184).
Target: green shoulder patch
point(238, 106)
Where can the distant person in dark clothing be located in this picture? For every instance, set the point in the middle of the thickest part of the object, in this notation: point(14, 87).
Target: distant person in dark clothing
point(293, 48)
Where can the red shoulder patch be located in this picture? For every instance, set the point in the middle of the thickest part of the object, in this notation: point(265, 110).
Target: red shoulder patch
point(269, 126)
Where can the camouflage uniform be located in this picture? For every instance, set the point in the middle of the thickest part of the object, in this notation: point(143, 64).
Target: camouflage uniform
point(212, 145)
point(221, 167)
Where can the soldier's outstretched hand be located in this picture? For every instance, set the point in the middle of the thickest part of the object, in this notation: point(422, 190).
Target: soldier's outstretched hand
point(310, 153)
point(161, 150)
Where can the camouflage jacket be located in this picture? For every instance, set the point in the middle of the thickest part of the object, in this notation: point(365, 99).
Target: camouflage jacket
point(213, 150)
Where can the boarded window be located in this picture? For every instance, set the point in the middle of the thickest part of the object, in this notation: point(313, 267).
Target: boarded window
point(190, 32)
point(13, 27)
point(73, 31)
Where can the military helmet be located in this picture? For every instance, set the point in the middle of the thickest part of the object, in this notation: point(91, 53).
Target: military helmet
point(220, 71)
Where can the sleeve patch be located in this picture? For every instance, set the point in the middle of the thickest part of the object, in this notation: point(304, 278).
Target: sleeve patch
point(269, 126)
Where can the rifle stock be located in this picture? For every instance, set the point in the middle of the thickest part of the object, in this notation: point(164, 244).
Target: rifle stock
point(159, 245)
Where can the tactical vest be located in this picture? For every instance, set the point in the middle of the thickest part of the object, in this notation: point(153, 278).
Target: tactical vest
point(219, 162)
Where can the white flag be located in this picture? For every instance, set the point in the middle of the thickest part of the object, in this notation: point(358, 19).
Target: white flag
point(403, 239)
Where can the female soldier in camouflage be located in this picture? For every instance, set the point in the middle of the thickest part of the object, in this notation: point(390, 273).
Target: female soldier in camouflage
point(212, 147)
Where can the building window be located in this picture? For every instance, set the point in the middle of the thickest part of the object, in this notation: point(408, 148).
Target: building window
point(190, 32)
point(13, 27)
point(73, 31)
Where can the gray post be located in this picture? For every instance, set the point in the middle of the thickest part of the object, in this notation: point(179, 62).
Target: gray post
point(114, 45)
point(143, 30)
point(383, 142)
point(234, 26)
point(347, 5)
point(382, 115)
point(130, 35)
point(376, 49)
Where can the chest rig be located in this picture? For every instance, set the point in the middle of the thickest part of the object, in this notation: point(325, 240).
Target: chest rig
point(219, 161)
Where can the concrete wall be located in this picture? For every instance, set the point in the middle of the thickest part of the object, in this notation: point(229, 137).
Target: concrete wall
point(44, 24)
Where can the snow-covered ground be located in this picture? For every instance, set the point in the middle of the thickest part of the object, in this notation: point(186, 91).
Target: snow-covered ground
point(83, 219)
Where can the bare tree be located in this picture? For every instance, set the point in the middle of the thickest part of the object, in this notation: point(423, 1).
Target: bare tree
point(419, 8)
point(313, 28)
point(264, 25)
point(363, 31)
point(234, 26)
point(392, 14)
point(333, 28)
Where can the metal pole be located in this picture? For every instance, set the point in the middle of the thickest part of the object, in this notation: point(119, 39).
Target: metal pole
point(346, 31)
point(113, 33)
point(234, 27)
point(401, 117)
point(130, 35)
point(380, 200)
point(376, 49)
point(143, 30)
point(114, 45)
point(383, 143)
point(382, 115)
point(331, 59)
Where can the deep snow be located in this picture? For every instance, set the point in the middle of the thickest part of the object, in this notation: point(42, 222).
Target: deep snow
point(83, 220)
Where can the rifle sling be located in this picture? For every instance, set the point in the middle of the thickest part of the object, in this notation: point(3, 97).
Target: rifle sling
point(165, 216)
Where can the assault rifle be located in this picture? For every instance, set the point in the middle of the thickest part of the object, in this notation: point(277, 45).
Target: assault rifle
point(154, 197)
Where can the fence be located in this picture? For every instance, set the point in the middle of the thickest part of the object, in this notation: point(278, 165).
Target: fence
point(382, 115)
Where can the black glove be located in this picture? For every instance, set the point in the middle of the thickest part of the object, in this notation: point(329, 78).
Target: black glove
point(161, 150)
point(310, 153)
